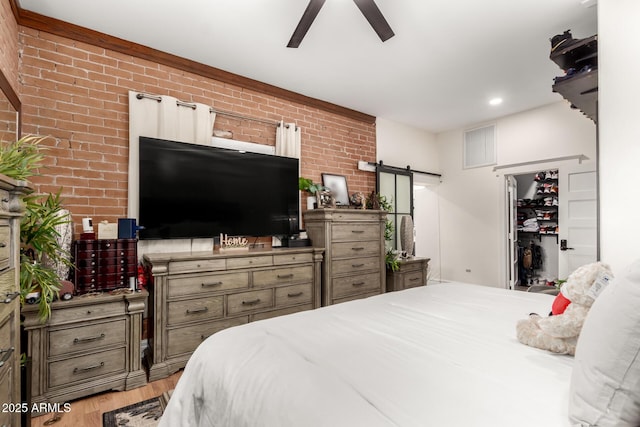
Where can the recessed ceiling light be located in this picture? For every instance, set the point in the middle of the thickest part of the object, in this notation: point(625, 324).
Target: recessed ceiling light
point(495, 101)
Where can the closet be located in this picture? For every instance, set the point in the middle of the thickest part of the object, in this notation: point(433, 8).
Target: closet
point(537, 216)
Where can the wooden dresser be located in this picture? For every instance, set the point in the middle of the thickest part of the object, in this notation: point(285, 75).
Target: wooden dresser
point(195, 295)
point(89, 344)
point(353, 239)
point(11, 210)
point(411, 272)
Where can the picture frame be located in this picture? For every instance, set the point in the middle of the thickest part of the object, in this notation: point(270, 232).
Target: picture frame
point(325, 199)
point(337, 184)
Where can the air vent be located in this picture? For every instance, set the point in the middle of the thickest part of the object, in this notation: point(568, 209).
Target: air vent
point(480, 147)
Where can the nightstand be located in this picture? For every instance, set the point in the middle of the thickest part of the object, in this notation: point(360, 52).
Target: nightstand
point(88, 345)
point(412, 272)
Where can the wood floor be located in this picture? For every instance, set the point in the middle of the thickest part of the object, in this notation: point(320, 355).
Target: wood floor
point(88, 412)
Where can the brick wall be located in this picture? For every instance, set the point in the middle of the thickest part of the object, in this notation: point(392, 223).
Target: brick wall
point(77, 94)
point(9, 45)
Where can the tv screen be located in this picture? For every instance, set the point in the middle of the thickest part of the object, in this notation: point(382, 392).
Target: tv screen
point(193, 191)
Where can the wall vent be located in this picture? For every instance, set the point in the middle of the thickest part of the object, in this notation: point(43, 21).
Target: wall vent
point(480, 147)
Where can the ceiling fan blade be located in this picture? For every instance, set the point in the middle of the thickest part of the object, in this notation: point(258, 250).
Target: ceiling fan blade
point(307, 19)
point(380, 25)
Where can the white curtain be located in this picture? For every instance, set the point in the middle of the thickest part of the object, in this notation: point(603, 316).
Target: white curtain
point(163, 117)
point(288, 140)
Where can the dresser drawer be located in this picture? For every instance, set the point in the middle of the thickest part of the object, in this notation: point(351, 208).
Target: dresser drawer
point(253, 261)
point(185, 340)
point(87, 367)
point(202, 283)
point(5, 244)
point(412, 279)
point(355, 232)
point(356, 215)
point(196, 265)
point(292, 258)
point(195, 309)
point(293, 295)
point(358, 284)
point(7, 286)
point(82, 338)
point(7, 353)
point(281, 312)
point(353, 266)
point(355, 249)
point(249, 301)
point(282, 276)
point(87, 312)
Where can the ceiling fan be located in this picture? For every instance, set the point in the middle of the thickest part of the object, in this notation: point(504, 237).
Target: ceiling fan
point(368, 8)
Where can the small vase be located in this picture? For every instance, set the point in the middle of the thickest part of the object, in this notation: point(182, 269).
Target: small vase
point(406, 235)
point(311, 202)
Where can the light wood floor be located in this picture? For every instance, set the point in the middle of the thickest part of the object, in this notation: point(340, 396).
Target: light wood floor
point(88, 412)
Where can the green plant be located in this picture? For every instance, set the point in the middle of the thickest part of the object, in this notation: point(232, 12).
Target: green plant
point(306, 184)
point(39, 246)
point(378, 201)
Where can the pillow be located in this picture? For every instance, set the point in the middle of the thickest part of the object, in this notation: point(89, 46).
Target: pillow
point(605, 382)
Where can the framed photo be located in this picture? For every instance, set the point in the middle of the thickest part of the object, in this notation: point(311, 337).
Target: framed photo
point(325, 199)
point(337, 184)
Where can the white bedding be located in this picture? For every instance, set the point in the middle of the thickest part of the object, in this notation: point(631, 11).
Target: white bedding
point(442, 355)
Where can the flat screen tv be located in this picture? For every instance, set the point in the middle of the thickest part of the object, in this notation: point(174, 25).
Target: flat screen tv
point(196, 191)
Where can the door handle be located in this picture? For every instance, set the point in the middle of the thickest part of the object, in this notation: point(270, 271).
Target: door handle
point(563, 245)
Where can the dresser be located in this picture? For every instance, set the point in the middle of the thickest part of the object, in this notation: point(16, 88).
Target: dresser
point(411, 272)
point(103, 265)
point(354, 265)
point(11, 210)
point(194, 295)
point(89, 344)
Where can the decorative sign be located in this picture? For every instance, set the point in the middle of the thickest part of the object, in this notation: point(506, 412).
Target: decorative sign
point(233, 243)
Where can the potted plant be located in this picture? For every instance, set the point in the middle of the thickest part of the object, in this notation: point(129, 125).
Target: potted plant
point(40, 250)
point(378, 201)
point(307, 185)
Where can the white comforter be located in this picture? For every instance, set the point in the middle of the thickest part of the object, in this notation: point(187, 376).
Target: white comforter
point(442, 355)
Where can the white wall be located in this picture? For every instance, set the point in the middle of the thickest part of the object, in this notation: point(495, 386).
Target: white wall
point(401, 145)
point(472, 201)
point(619, 128)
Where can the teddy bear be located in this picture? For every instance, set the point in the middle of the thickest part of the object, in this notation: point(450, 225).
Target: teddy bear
point(559, 331)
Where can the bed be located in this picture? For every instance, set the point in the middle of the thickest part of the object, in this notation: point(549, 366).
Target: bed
point(438, 355)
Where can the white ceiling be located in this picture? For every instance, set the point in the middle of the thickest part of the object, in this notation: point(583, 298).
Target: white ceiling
point(447, 59)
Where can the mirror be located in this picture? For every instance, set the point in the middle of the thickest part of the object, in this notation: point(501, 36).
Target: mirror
point(10, 107)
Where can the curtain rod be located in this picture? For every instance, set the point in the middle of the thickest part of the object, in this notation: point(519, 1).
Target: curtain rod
point(408, 168)
point(211, 110)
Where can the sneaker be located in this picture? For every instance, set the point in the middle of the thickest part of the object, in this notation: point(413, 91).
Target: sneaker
point(561, 40)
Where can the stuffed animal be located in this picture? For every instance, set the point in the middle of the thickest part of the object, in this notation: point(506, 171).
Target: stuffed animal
point(559, 331)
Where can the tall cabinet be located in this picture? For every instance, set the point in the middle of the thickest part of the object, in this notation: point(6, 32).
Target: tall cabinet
point(354, 264)
point(11, 210)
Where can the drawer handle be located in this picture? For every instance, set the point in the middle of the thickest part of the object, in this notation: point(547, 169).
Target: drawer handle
point(358, 248)
point(413, 279)
point(88, 339)
point(197, 310)
point(208, 285)
point(357, 265)
point(285, 276)
point(357, 231)
point(357, 283)
point(6, 354)
point(88, 368)
point(3, 245)
point(11, 297)
point(252, 302)
point(294, 294)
